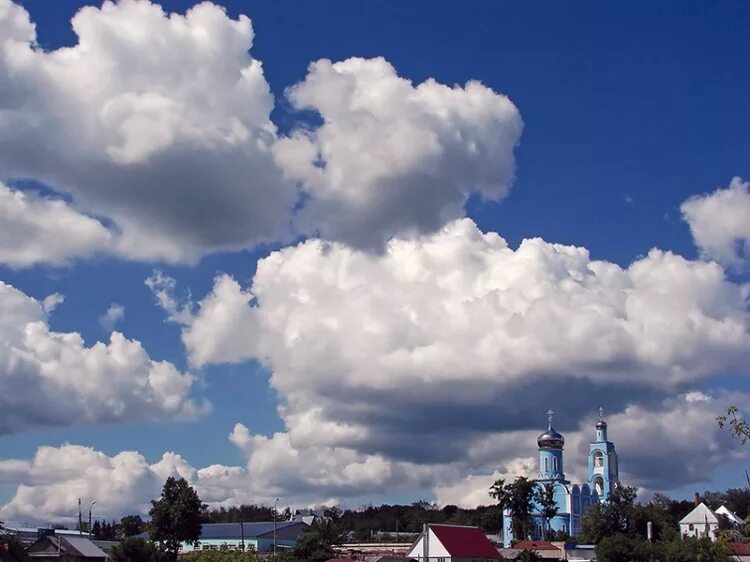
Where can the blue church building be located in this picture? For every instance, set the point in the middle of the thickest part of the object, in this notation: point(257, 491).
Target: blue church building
point(572, 499)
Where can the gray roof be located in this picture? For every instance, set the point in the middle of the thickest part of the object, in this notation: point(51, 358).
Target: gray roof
point(83, 545)
point(232, 530)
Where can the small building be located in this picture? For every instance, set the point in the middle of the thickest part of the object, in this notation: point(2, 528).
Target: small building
point(452, 543)
point(68, 547)
point(544, 549)
point(704, 522)
point(259, 536)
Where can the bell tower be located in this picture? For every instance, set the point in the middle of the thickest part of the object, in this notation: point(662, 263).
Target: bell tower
point(603, 471)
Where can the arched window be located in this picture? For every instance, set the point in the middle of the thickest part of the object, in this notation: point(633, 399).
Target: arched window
point(540, 529)
point(564, 528)
point(598, 486)
point(598, 459)
point(546, 466)
point(554, 464)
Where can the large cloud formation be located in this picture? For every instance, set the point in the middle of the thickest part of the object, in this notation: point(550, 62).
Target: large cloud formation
point(50, 483)
point(720, 223)
point(450, 337)
point(391, 157)
point(53, 378)
point(160, 123)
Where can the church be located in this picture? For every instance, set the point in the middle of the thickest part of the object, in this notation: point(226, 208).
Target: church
point(572, 500)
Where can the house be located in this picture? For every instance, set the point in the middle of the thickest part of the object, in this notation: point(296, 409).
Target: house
point(260, 536)
point(544, 549)
point(308, 515)
point(68, 547)
point(452, 543)
point(704, 522)
point(733, 518)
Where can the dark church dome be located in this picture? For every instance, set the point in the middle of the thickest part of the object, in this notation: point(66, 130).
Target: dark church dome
point(550, 439)
point(601, 424)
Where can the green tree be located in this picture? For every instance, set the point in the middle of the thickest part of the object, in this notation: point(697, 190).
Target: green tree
point(318, 542)
point(517, 499)
point(133, 549)
point(131, 525)
point(528, 556)
point(616, 516)
point(176, 516)
point(545, 498)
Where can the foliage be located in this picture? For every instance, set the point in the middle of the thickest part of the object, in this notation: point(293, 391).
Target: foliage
point(131, 525)
point(528, 556)
point(616, 516)
point(545, 498)
point(317, 543)
point(736, 424)
point(247, 513)
point(104, 531)
point(517, 499)
point(133, 549)
point(621, 548)
point(222, 554)
point(176, 516)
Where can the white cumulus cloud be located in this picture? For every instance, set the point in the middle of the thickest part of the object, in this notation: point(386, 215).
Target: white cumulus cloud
point(391, 157)
point(54, 378)
point(114, 313)
point(720, 223)
point(36, 229)
point(160, 122)
point(454, 336)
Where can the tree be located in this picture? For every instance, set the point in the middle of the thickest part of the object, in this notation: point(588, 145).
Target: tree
point(736, 424)
point(528, 556)
point(317, 543)
point(176, 516)
point(610, 518)
point(545, 498)
point(133, 549)
point(517, 499)
point(131, 525)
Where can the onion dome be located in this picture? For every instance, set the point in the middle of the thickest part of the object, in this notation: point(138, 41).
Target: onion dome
point(550, 439)
point(601, 424)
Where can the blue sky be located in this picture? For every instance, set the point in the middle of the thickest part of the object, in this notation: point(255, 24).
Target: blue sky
point(628, 111)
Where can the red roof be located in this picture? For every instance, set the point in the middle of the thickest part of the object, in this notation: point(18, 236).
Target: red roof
point(740, 548)
point(465, 542)
point(534, 545)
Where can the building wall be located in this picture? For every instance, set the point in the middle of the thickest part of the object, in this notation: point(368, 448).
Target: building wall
point(698, 530)
point(261, 544)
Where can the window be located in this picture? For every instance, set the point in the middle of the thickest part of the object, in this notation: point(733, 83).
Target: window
point(564, 528)
point(691, 527)
point(546, 467)
point(554, 464)
point(441, 559)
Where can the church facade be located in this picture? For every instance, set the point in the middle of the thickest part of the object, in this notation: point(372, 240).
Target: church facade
point(572, 500)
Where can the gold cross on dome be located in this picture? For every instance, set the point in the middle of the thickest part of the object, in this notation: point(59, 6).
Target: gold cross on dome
point(601, 413)
point(550, 413)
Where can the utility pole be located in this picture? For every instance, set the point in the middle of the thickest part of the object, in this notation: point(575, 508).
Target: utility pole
point(80, 518)
point(242, 530)
point(90, 508)
point(276, 503)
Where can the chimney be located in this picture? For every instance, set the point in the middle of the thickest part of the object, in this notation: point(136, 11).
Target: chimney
point(426, 542)
point(697, 498)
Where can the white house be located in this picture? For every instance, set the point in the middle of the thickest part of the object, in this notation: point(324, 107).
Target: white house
point(733, 518)
point(703, 522)
point(452, 543)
